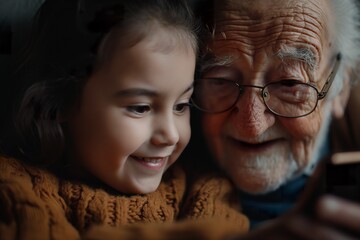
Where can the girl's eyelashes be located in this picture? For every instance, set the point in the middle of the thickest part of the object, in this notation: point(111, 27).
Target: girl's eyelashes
point(181, 107)
point(139, 109)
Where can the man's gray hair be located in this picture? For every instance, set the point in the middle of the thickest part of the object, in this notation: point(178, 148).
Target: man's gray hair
point(346, 39)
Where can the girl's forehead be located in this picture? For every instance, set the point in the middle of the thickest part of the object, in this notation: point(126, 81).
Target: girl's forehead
point(156, 37)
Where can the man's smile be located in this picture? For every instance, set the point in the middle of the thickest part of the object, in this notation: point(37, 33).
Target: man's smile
point(255, 146)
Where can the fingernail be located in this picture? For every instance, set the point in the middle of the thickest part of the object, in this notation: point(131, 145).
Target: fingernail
point(330, 204)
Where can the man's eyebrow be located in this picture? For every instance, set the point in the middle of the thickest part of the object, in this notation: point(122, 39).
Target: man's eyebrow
point(210, 60)
point(305, 55)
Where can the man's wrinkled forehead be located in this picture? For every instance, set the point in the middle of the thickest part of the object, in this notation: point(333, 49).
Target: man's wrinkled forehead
point(255, 23)
point(261, 9)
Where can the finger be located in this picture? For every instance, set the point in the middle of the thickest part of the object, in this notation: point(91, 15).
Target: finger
point(307, 229)
point(340, 212)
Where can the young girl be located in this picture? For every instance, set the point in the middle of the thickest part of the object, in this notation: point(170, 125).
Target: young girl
point(108, 115)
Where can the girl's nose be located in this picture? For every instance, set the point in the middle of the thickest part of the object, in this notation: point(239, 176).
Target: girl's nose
point(165, 131)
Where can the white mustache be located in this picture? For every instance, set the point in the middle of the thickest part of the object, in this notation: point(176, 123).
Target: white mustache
point(273, 133)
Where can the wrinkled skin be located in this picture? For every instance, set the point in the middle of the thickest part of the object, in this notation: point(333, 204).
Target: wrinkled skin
point(252, 32)
point(259, 150)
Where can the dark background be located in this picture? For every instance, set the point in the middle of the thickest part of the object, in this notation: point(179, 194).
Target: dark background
point(15, 27)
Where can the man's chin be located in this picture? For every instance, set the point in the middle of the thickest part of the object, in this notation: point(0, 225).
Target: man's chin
point(261, 181)
point(258, 188)
point(262, 174)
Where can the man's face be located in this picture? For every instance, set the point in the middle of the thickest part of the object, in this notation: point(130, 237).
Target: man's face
point(259, 150)
point(133, 119)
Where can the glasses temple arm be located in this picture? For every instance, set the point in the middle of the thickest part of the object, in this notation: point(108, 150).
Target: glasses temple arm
point(331, 78)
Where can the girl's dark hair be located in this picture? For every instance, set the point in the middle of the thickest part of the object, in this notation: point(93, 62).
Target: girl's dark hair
point(63, 53)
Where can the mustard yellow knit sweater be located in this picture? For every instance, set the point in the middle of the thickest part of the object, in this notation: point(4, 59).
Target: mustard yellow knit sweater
point(35, 204)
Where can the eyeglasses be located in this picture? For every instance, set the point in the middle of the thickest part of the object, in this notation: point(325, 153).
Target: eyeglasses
point(286, 98)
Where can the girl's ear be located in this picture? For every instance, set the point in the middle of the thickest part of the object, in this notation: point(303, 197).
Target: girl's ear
point(340, 101)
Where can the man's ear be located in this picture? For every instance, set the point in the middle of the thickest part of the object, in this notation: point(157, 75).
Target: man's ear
point(340, 101)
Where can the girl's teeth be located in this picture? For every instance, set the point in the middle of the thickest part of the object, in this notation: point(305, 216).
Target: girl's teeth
point(150, 160)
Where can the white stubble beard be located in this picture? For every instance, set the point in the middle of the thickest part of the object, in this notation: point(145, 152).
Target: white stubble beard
point(293, 171)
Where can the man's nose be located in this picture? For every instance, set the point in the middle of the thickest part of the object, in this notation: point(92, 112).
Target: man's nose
point(251, 115)
point(165, 130)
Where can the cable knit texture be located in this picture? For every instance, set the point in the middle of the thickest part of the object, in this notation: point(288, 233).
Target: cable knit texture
point(35, 204)
point(212, 194)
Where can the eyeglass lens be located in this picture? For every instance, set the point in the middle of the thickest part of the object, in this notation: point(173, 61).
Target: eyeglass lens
point(285, 98)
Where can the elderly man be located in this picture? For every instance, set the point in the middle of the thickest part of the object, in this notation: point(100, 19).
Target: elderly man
point(273, 76)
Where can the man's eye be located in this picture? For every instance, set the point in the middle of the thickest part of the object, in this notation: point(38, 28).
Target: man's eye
point(182, 107)
point(138, 109)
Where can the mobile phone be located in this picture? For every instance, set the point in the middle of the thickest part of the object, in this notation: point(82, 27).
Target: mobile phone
point(338, 174)
point(343, 175)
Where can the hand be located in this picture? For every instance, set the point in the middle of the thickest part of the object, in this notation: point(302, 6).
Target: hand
point(335, 219)
point(340, 213)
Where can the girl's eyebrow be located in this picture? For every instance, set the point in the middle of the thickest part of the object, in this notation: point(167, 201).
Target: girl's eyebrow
point(136, 92)
point(188, 89)
point(143, 92)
